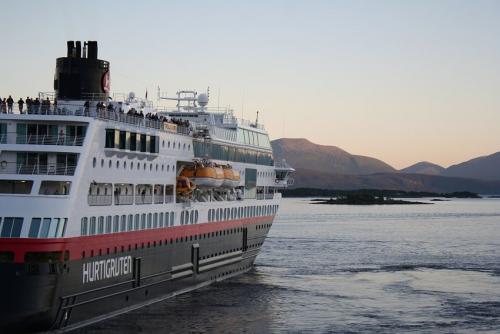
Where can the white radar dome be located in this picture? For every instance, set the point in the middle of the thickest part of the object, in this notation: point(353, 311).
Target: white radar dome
point(131, 95)
point(203, 99)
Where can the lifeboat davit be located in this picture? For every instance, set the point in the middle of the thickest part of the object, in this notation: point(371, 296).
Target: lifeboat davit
point(231, 178)
point(205, 176)
point(185, 186)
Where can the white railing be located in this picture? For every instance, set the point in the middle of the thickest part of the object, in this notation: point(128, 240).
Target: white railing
point(68, 109)
point(143, 199)
point(99, 200)
point(36, 169)
point(46, 140)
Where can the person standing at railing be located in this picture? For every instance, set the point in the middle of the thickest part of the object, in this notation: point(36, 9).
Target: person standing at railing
point(3, 106)
point(10, 103)
point(20, 103)
point(36, 106)
point(29, 105)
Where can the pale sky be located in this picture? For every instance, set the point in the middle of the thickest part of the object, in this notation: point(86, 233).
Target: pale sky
point(402, 81)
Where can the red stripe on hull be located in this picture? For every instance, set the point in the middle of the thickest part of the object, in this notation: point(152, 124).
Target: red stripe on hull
point(77, 245)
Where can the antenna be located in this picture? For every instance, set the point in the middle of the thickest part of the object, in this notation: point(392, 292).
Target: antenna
point(242, 103)
point(218, 99)
point(257, 118)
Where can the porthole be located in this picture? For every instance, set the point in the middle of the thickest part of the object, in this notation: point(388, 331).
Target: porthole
point(110, 163)
point(162, 167)
point(102, 163)
point(144, 166)
point(94, 162)
point(117, 164)
point(189, 147)
point(169, 144)
point(156, 167)
point(168, 168)
point(124, 165)
point(150, 167)
point(163, 143)
point(138, 166)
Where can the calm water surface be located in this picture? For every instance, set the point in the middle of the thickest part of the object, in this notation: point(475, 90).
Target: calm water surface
point(351, 269)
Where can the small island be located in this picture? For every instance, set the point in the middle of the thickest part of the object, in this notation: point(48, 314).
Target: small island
point(363, 199)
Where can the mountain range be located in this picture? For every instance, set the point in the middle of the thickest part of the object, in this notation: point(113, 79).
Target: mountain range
point(330, 167)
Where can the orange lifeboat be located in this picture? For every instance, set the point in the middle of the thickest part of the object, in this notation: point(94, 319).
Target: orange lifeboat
point(208, 177)
point(231, 177)
point(187, 172)
point(185, 186)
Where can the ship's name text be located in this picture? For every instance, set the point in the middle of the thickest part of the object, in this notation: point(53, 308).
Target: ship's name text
point(104, 269)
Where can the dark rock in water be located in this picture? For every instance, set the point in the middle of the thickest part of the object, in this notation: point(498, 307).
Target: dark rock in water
point(363, 199)
point(439, 200)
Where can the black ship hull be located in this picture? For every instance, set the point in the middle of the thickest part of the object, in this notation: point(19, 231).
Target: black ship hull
point(92, 282)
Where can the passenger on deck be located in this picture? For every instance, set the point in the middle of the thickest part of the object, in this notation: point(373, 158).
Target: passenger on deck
point(29, 105)
point(3, 106)
point(10, 103)
point(20, 103)
point(86, 107)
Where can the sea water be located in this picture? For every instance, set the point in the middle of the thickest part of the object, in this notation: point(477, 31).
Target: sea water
point(351, 269)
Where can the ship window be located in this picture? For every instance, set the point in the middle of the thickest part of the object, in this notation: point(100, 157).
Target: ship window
point(110, 138)
point(116, 223)
point(100, 225)
point(160, 219)
point(83, 227)
point(196, 216)
point(154, 144)
point(54, 188)
point(44, 233)
point(61, 227)
point(166, 219)
point(182, 218)
point(123, 140)
point(149, 220)
point(192, 217)
point(117, 164)
point(109, 224)
point(92, 226)
point(102, 163)
point(143, 221)
point(11, 227)
point(133, 141)
point(130, 223)
point(136, 222)
point(15, 186)
point(143, 142)
point(34, 227)
point(94, 162)
point(172, 218)
point(123, 223)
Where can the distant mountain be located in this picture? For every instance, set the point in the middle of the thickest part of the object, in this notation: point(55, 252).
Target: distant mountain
point(486, 168)
point(393, 181)
point(424, 167)
point(301, 153)
point(329, 167)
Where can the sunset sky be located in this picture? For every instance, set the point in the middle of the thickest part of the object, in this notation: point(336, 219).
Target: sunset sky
point(402, 81)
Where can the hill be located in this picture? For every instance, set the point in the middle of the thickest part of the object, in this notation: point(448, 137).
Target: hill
point(424, 167)
point(393, 181)
point(301, 153)
point(487, 168)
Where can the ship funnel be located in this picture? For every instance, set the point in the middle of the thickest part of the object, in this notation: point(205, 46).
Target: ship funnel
point(92, 49)
point(82, 77)
point(71, 46)
point(78, 53)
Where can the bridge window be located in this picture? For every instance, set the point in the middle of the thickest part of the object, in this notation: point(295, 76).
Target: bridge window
point(11, 227)
point(55, 188)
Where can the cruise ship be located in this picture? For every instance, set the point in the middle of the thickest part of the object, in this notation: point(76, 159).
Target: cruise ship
point(109, 203)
